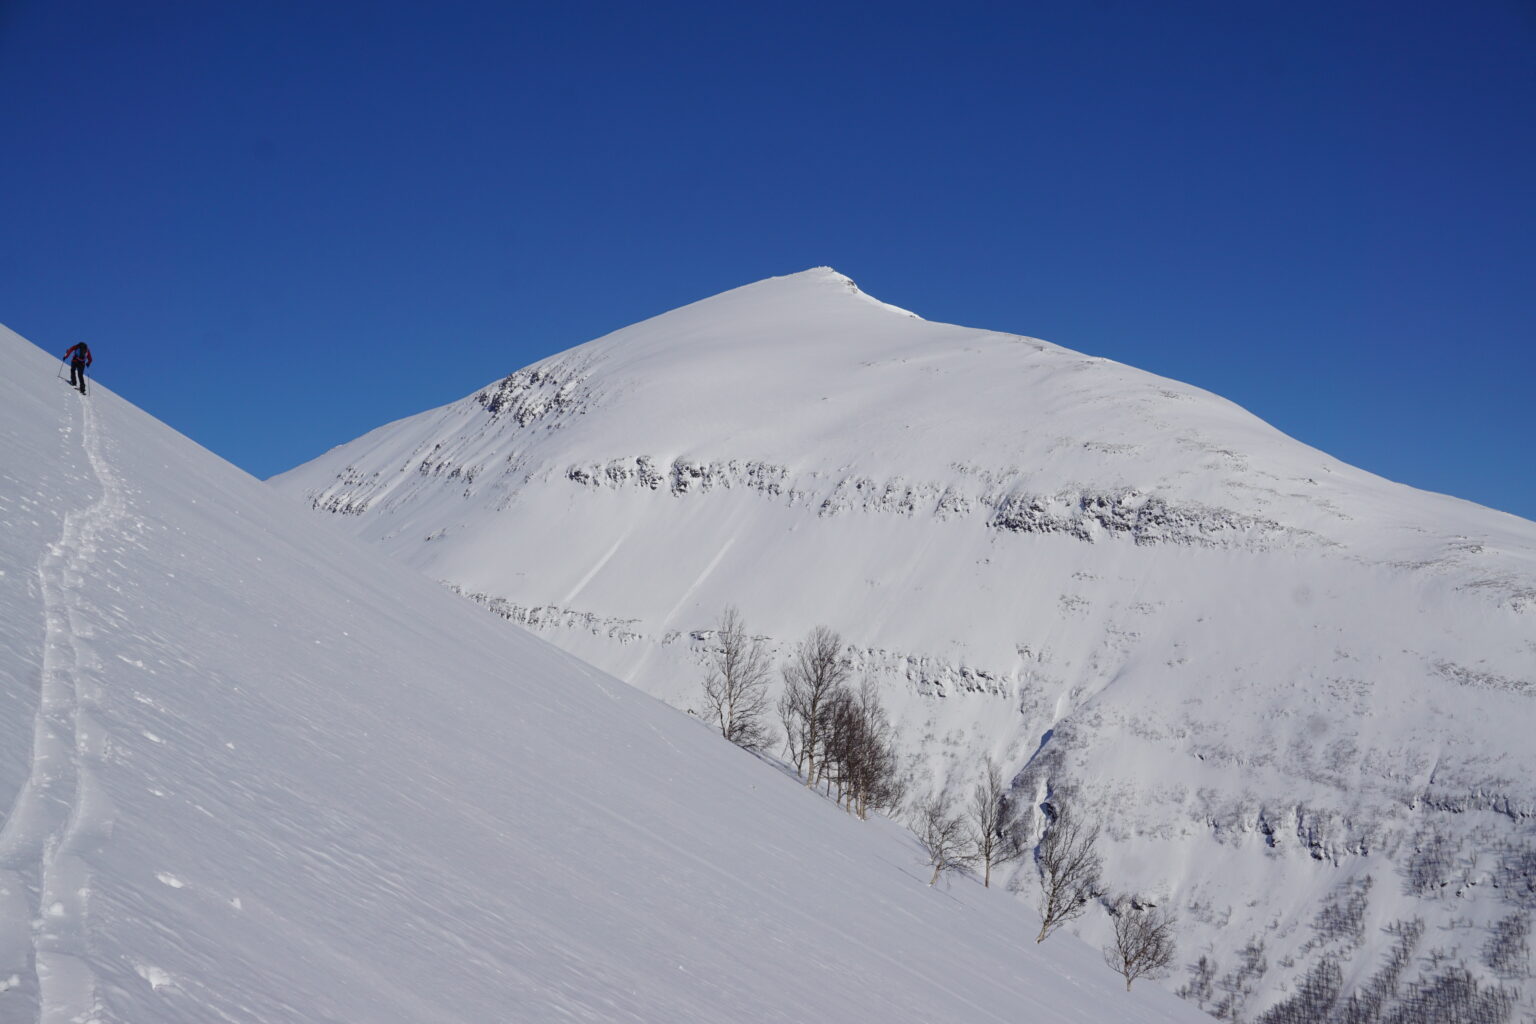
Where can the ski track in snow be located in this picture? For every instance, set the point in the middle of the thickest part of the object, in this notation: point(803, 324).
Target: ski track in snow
point(709, 571)
point(582, 583)
point(682, 602)
point(60, 815)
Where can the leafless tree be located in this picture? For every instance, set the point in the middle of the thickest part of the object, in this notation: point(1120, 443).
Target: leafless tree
point(1070, 870)
point(839, 741)
point(790, 702)
point(995, 819)
point(945, 834)
point(812, 679)
point(858, 750)
point(1143, 940)
point(736, 688)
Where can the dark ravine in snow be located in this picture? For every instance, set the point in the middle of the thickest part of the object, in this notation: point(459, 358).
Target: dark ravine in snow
point(1272, 675)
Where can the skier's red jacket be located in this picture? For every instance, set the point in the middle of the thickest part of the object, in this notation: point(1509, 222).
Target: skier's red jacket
point(83, 356)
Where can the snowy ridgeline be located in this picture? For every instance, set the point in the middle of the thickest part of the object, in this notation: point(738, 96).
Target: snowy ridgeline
point(250, 773)
point(1279, 682)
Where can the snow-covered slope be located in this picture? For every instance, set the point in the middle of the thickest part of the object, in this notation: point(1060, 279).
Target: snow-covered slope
point(251, 772)
point(1272, 674)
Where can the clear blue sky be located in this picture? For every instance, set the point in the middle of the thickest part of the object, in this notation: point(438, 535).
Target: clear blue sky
point(282, 224)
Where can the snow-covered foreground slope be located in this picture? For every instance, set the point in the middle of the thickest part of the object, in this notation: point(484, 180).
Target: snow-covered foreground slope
point(249, 774)
point(1280, 681)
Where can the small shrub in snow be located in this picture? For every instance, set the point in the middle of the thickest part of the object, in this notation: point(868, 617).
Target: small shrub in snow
point(1367, 1004)
point(1343, 916)
point(1199, 989)
point(1517, 875)
point(1507, 952)
point(1237, 985)
point(1314, 1001)
point(1448, 995)
point(1432, 864)
point(1453, 997)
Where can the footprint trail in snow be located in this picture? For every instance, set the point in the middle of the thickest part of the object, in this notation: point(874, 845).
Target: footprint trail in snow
point(60, 815)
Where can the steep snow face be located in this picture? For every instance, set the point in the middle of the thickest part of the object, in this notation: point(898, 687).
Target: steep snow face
point(251, 771)
point(1272, 675)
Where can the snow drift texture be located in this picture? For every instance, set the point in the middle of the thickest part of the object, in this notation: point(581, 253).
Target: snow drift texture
point(249, 774)
point(1279, 680)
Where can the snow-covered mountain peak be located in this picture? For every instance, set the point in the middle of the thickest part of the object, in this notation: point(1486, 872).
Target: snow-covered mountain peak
point(1269, 673)
point(843, 400)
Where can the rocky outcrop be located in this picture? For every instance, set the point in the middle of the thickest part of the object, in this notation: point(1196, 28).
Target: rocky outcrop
point(537, 393)
point(1084, 515)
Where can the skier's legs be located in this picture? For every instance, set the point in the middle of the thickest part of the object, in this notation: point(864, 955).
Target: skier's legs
point(77, 376)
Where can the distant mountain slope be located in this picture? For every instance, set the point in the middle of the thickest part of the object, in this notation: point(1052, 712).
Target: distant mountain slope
point(248, 773)
point(1271, 673)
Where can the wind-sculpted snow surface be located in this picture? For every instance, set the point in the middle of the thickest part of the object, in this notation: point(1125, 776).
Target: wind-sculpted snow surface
point(1268, 673)
point(251, 772)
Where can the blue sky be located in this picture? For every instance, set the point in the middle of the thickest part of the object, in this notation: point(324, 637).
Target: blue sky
point(282, 224)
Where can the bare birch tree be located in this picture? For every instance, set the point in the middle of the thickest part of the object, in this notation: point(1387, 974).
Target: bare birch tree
point(858, 750)
point(795, 727)
point(736, 688)
point(812, 678)
point(1143, 941)
point(945, 834)
point(995, 819)
point(1070, 871)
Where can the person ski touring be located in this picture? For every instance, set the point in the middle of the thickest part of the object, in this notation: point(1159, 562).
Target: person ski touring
point(79, 357)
